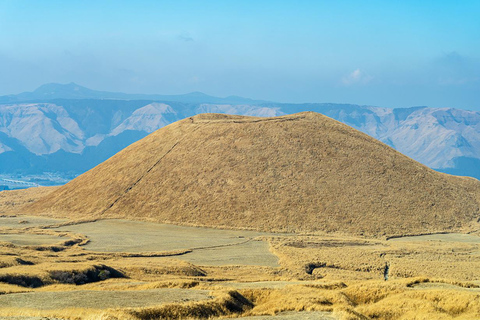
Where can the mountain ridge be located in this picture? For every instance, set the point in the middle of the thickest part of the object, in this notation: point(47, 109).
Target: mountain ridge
point(72, 90)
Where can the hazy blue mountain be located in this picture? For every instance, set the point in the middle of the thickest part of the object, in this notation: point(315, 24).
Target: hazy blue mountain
point(70, 136)
point(74, 91)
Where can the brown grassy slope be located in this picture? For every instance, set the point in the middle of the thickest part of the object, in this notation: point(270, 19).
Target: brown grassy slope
point(12, 201)
point(301, 172)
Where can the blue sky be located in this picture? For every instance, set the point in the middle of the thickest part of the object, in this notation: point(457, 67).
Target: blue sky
point(384, 53)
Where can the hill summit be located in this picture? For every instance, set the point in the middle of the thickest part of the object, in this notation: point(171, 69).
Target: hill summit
point(298, 173)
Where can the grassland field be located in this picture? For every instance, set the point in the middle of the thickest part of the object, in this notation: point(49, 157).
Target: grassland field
point(120, 269)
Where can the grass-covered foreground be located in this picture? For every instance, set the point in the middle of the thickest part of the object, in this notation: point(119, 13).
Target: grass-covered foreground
point(119, 269)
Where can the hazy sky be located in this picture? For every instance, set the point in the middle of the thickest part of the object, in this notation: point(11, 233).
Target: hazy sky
point(384, 53)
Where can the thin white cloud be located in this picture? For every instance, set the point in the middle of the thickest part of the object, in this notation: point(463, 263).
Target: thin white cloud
point(356, 77)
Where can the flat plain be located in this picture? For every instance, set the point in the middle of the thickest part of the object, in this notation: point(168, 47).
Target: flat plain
point(96, 299)
point(120, 269)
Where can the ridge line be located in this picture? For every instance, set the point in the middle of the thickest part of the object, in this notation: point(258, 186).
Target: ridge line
point(273, 119)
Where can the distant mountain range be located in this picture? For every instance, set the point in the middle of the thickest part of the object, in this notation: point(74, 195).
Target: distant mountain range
point(74, 91)
point(70, 129)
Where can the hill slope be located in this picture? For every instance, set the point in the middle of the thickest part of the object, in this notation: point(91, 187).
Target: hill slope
point(302, 172)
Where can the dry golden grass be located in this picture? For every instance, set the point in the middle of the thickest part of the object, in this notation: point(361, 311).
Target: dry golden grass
point(11, 201)
point(303, 173)
point(38, 275)
point(350, 258)
point(347, 281)
point(359, 300)
point(431, 304)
